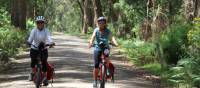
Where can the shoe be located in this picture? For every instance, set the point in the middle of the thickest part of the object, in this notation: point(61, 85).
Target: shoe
point(30, 77)
point(45, 81)
point(95, 84)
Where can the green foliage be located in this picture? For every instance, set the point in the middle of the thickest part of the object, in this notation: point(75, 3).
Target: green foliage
point(187, 69)
point(186, 72)
point(139, 52)
point(131, 14)
point(173, 40)
point(5, 4)
point(194, 37)
point(154, 68)
point(64, 16)
point(10, 38)
point(30, 24)
point(4, 17)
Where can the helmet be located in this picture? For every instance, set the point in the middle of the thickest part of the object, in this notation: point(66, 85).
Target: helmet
point(101, 19)
point(40, 18)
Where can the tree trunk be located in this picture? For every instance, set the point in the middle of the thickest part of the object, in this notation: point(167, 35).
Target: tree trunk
point(197, 8)
point(97, 9)
point(113, 16)
point(85, 23)
point(81, 4)
point(22, 16)
point(30, 9)
point(90, 13)
point(18, 16)
point(192, 9)
point(14, 13)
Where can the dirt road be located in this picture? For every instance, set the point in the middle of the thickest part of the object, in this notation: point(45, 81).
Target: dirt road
point(73, 64)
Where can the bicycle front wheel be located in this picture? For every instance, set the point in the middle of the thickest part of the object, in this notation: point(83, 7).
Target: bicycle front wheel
point(103, 72)
point(38, 78)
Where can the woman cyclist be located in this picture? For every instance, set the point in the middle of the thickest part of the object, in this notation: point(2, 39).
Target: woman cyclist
point(39, 35)
point(100, 34)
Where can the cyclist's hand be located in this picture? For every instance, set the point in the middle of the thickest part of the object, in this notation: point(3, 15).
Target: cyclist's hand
point(114, 44)
point(28, 44)
point(52, 45)
point(90, 45)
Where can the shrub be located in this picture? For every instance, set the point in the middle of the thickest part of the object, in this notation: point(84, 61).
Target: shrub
point(173, 40)
point(139, 52)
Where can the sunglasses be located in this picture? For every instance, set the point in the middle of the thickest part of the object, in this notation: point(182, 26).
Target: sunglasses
point(40, 22)
point(101, 22)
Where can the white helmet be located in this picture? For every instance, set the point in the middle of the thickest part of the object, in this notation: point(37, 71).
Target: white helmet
point(101, 19)
point(40, 18)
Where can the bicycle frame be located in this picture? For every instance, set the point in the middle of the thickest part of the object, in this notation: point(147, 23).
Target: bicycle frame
point(38, 74)
point(103, 71)
point(103, 76)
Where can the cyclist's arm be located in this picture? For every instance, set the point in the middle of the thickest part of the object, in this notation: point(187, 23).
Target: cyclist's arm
point(113, 40)
point(30, 39)
point(92, 39)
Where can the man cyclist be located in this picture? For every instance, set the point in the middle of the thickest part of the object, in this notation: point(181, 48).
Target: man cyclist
point(38, 35)
point(100, 34)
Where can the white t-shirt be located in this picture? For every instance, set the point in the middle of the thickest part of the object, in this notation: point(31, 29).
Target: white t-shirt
point(37, 36)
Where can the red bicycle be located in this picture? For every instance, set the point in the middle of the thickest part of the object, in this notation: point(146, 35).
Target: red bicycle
point(38, 74)
point(106, 72)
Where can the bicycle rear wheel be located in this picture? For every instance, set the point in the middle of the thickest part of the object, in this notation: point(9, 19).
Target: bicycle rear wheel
point(38, 78)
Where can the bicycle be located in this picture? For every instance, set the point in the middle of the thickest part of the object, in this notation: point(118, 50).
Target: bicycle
point(103, 76)
point(38, 74)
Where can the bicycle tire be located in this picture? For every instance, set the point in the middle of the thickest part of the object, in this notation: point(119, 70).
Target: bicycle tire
point(103, 70)
point(38, 78)
point(113, 78)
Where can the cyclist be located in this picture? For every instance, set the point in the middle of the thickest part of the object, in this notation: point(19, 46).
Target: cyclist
point(38, 35)
point(100, 34)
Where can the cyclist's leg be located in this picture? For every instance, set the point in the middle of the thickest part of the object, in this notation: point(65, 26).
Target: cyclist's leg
point(33, 55)
point(44, 57)
point(96, 65)
point(107, 61)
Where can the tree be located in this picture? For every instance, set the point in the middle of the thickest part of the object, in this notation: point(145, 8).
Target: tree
point(31, 9)
point(18, 13)
point(197, 8)
point(97, 9)
point(112, 13)
point(85, 12)
point(192, 9)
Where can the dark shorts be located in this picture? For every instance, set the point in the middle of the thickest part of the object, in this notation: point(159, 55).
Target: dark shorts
point(34, 56)
point(97, 59)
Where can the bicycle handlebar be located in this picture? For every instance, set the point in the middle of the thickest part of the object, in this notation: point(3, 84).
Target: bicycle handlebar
point(50, 45)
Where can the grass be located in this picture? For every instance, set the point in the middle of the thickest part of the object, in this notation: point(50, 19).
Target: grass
point(154, 68)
